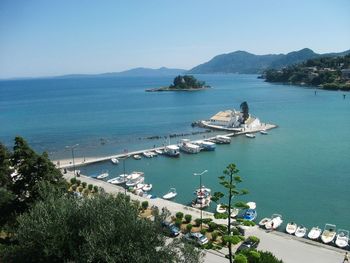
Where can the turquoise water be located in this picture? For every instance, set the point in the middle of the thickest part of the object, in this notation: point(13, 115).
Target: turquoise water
point(300, 170)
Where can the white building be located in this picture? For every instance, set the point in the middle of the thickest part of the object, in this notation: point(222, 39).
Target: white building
point(227, 118)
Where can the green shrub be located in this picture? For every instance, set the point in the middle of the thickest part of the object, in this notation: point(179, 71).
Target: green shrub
point(235, 231)
point(189, 227)
point(90, 186)
point(221, 216)
point(78, 182)
point(207, 220)
point(222, 228)
point(198, 221)
point(209, 245)
point(178, 222)
point(80, 189)
point(214, 235)
point(73, 180)
point(84, 184)
point(254, 239)
point(188, 218)
point(248, 223)
point(179, 215)
point(232, 239)
point(240, 258)
point(268, 257)
point(95, 189)
point(144, 205)
point(74, 187)
point(86, 192)
point(253, 256)
point(212, 226)
point(203, 231)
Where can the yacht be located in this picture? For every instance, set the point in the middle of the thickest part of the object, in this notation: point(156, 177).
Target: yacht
point(135, 178)
point(172, 150)
point(222, 139)
point(205, 145)
point(189, 147)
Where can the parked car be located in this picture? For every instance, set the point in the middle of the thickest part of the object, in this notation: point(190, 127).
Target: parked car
point(196, 238)
point(170, 229)
point(248, 244)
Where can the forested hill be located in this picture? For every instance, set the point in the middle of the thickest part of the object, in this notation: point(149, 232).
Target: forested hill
point(325, 72)
point(244, 62)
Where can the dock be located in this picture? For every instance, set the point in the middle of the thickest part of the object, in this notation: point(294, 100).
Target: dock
point(80, 161)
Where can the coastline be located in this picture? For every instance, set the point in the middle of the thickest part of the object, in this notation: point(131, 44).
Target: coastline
point(170, 89)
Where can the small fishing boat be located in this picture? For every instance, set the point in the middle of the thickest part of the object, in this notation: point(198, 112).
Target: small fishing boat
point(159, 151)
point(205, 145)
point(252, 205)
point(137, 157)
point(147, 154)
point(250, 215)
point(264, 221)
point(114, 160)
point(118, 180)
point(301, 231)
point(342, 239)
point(222, 139)
point(171, 194)
point(139, 186)
point(314, 233)
point(328, 233)
point(147, 187)
point(263, 132)
point(189, 147)
point(154, 154)
point(275, 222)
point(250, 135)
point(102, 175)
point(220, 209)
point(291, 228)
point(135, 178)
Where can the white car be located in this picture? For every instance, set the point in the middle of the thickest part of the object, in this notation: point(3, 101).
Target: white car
point(196, 238)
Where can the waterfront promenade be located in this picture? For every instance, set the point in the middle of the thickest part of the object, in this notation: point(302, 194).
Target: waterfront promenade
point(286, 247)
point(81, 161)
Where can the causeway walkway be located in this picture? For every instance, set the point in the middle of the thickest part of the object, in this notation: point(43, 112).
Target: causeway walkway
point(286, 247)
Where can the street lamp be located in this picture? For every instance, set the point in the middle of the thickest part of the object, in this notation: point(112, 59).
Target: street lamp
point(200, 189)
point(72, 147)
point(124, 158)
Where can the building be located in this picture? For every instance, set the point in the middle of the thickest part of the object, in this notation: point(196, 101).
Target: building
point(227, 118)
point(345, 74)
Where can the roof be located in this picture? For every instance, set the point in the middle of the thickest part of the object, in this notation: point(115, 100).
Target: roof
point(225, 115)
point(173, 147)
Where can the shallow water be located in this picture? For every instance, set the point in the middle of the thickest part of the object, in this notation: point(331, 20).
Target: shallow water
point(300, 170)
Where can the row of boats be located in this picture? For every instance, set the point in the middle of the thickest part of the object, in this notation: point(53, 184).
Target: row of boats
point(328, 235)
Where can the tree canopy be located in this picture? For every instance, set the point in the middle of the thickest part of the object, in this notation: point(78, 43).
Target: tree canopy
point(187, 82)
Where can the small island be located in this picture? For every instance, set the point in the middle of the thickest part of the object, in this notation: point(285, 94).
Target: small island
point(183, 83)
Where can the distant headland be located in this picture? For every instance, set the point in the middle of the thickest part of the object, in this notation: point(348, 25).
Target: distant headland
point(183, 83)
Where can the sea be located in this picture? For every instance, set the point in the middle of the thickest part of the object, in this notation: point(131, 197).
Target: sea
point(300, 170)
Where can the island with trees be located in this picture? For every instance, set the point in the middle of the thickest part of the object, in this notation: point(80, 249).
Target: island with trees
point(183, 83)
point(332, 73)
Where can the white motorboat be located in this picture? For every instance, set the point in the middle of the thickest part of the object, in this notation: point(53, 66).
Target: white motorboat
point(139, 186)
point(112, 179)
point(102, 175)
point(275, 222)
point(171, 194)
point(250, 135)
point(147, 154)
point(314, 233)
point(291, 228)
point(342, 239)
point(201, 202)
point(264, 221)
point(328, 233)
point(189, 147)
point(234, 212)
point(205, 145)
point(203, 191)
point(137, 157)
point(263, 132)
point(222, 139)
point(301, 231)
point(172, 151)
point(147, 187)
point(118, 180)
point(220, 209)
point(252, 205)
point(114, 160)
point(159, 151)
point(135, 178)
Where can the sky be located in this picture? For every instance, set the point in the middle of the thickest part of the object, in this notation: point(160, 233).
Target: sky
point(56, 37)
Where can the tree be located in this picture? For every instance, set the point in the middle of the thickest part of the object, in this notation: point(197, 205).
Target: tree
point(229, 181)
point(106, 228)
point(245, 110)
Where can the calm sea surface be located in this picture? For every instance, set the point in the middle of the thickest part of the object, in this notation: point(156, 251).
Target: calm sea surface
point(300, 170)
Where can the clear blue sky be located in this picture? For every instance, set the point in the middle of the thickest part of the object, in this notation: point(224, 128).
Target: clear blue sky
point(41, 38)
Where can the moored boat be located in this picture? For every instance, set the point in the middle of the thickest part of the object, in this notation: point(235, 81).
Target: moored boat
point(102, 175)
point(206, 145)
point(275, 222)
point(220, 209)
point(342, 239)
point(234, 212)
point(114, 160)
point(147, 187)
point(171, 194)
point(328, 233)
point(250, 215)
point(264, 221)
point(314, 233)
point(301, 231)
point(291, 228)
point(201, 202)
point(135, 178)
point(148, 154)
point(137, 157)
point(250, 135)
point(159, 151)
point(222, 139)
point(263, 132)
point(189, 147)
point(172, 151)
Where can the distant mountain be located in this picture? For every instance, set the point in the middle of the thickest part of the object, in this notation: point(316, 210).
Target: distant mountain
point(244, 62)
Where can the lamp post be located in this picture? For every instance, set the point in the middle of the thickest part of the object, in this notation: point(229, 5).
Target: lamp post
point(124, 158)
point(200, 189)
point(72, 147)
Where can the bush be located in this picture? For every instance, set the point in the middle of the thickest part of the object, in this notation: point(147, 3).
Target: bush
point(212, 226)
point(253, 256)
point(268, 257)
point(86, 192)
point(179, 215)
point(188, 218)
point(254, 239)
point(95, 189)
point(209, 245)
point(203, 231)
point(220, 216)
point(73, 180)
point(234, 240)
point(90, 186)
point(144, 205)
point(240, 258)
point(248, 223)
point(189, 227)
point(84, 184)
point(197, 221)
point(214, 235)
point(207, 220)
point(78, 182)
point(80, 189)
point(178, 222)
point(74, 187)
point(235, 231)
